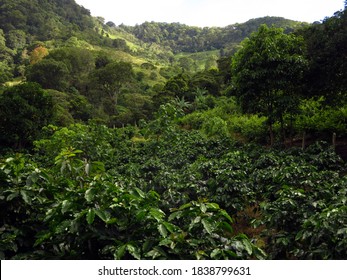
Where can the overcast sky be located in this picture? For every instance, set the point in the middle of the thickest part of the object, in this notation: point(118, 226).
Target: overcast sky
point(209, 12)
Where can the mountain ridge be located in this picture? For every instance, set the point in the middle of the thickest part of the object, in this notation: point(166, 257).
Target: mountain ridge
point(185, 38)
point(26, 24)
point(62, 19)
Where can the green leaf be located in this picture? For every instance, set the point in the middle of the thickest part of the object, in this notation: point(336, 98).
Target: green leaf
point(175, 215)
point(112, 221)
point(41, 237)
point(25, 196)
point(90, 194)
point(157, 214)
point(212, 206)
point(12, 196)
point(208, 226)
point(170, 227)
point(141, 214)
point(140, 192)
point(65, 206)
point(162, 229)
point(90, 216)
point(147, 245)
point(215, 253)
point(74, 225)
point(156, 252)
point(153, 195)
point(120, 252)
point(197, 220)
point(166, 242)
point(248, 246)
point(203, 208)
point(134, 251)
point(103, 215)
point(238, 245)
point(299, 235)
point(185, 206)
point(87, 168)
point(226, 226)
point(226, 215)
point(342, 231)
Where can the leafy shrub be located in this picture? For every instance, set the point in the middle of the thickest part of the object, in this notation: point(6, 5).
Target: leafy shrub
point(251, 127)
point(215, 127)
point(96, 193)
point(77, 211)
point(315, 117)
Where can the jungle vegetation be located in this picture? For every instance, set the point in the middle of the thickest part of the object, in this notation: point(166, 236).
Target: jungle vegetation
point(166, 141)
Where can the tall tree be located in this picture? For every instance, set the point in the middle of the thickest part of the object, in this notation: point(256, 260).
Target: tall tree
point(327, 54)
point(24, 110)
point(49, 73)
point(80, 63)
point(266, 72)
point(6, 60)
point(112, 78)
point(38, 54)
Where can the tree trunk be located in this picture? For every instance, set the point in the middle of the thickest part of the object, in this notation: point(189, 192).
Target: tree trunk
point(303, 140)
point(291, 131)
point(283, 134)
point(272, 137)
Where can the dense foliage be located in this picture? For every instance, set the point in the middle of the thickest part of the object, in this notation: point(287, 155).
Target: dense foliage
point(116, 145)
point(93, 192)
point(182, 38)
point(267, 73)
point(44, 19)
point(24, 110)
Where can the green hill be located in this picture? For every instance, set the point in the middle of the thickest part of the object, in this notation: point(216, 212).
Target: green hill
point(60, 23)
point(183, 38)
point(44, 19)
point(40, 37)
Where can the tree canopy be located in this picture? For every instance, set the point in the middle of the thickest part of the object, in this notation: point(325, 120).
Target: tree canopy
point(24, 110)
point(267, 72)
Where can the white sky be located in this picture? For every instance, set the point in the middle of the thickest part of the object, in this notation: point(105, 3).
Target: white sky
point(209, 12)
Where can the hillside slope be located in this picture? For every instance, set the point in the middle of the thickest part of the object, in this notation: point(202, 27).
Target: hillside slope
point(183, 38)
point(26, 21)
point(44, 19)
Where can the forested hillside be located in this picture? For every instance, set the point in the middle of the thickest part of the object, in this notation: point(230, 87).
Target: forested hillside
point(44, 19)
point(166, 141)
point(182, 38)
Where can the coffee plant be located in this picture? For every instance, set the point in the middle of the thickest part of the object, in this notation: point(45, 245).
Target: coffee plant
point(90, 192)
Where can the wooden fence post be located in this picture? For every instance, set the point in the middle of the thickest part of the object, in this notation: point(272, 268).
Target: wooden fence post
point(303, 140)
point(334, 140)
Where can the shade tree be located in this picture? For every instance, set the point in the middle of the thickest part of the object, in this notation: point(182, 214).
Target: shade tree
point(266, 73)
point(110, 80)
point(24, 110)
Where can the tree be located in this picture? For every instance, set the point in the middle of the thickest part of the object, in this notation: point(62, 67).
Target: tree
point(16, 39)
point(24, 110)
point(208, 80)
point(266, 73)
point(177, 86)
point(80, 63)
point(112, 78)
point(187, 64)
point(327, 51)
point(102, 59)
point(5, 72)
point(38, 54)
point(111, 24)
point(5, 60)
point(49, 73)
